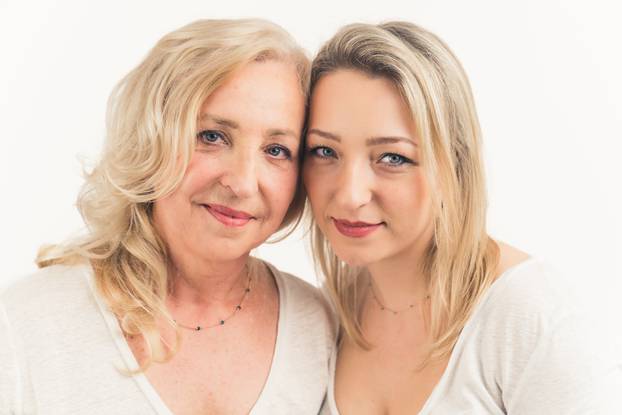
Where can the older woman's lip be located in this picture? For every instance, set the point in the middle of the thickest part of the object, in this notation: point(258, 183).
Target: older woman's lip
point(228, 216)
point(238, 214)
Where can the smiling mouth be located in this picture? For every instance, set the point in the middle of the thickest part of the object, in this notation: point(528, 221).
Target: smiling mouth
point(227, 216)
point(355, 229)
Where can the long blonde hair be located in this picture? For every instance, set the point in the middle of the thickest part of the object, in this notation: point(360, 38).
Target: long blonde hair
point(460, 260)
point(150, 138)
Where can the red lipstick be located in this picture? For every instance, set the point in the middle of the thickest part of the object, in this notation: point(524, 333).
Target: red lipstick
point(355, 229)
point(228, 216)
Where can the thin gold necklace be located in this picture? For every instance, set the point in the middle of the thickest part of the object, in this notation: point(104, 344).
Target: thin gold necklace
point(222, 321)
point(394, 311)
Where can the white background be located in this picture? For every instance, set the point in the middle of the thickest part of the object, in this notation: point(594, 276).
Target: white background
point(546, 77)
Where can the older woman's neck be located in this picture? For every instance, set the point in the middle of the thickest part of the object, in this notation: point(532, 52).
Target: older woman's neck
point(198, 281)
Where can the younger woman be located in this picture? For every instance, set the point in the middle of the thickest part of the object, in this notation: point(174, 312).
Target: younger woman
point(436, 316)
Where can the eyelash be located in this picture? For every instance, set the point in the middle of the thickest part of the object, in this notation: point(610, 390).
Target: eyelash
point(285, 150)
point(313, 152)
point(202, 136)
point(402, 160)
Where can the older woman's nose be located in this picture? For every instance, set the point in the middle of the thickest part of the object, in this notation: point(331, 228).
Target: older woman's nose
point(354, 187)
point(241, 176)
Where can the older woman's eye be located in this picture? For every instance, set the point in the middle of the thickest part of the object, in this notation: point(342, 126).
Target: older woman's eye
point(394, 160)
point(211, 136)
point(279, 152)
point(322, 152)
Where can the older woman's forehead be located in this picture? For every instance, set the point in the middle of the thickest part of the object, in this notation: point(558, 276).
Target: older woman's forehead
point(262, 96)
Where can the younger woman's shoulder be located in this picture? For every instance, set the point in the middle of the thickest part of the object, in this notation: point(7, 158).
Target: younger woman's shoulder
point(526, 284)
point(530, 305)
point(543, 344)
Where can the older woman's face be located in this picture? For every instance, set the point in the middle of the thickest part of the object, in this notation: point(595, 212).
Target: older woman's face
point(368, 194)
point(242, 176)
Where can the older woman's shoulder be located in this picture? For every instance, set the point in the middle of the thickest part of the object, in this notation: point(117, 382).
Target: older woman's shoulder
point(46, 290)
point(304, 302)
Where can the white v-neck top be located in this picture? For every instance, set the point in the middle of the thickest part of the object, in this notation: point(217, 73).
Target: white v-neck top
point(529, 349)
point(61, 349)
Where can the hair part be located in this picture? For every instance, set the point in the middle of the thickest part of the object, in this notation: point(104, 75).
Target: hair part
point(150, 137)
point(461, 259)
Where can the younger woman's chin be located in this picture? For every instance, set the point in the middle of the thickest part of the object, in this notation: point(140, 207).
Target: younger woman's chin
point(352, 259)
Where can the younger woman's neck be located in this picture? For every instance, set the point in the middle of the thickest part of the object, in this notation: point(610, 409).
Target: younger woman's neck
point(398, 282)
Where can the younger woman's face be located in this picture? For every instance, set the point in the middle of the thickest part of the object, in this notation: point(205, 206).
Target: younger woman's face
point(368, 194)
point(242, 176)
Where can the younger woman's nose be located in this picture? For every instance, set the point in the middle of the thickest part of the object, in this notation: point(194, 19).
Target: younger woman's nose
point(354, 186)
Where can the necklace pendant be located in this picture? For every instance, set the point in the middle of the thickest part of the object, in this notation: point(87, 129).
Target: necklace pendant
point(222, 321)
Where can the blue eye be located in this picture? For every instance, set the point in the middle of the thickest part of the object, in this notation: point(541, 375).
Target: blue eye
point(210, 136)
point(279, 152)
point(322, 152)
point(394, 160)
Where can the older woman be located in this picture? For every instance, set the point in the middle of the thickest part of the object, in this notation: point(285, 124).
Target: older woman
point(437, 317)
point(160, 308)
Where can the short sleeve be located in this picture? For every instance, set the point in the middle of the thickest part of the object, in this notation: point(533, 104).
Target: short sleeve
point(332, 319)
point(10, 378)
point(573, 369)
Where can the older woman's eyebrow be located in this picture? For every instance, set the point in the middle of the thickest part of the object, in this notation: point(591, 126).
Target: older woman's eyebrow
point(324, 134)
point(236, 126)
point(220, 121)
point(272, 132)
point(373, 141)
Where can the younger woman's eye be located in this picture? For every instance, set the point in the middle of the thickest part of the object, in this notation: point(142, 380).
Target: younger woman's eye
point(322, 152)
point(394, 160)
point(211, 136)
point(279, 152)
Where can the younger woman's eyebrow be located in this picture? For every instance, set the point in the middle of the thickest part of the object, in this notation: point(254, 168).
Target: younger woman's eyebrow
point(324, 134)
point(373, 141)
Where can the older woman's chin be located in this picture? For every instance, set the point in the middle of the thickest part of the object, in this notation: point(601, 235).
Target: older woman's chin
point(221, 247)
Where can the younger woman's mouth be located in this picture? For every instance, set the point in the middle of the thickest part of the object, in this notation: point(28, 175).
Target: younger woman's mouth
point(355, 229)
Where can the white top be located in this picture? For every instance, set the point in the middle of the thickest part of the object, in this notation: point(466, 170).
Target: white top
point(527, 349)
point(61, 350)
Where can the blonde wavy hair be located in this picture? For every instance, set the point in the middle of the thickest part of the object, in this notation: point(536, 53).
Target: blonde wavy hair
point(460, 261)
point(150, 138)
